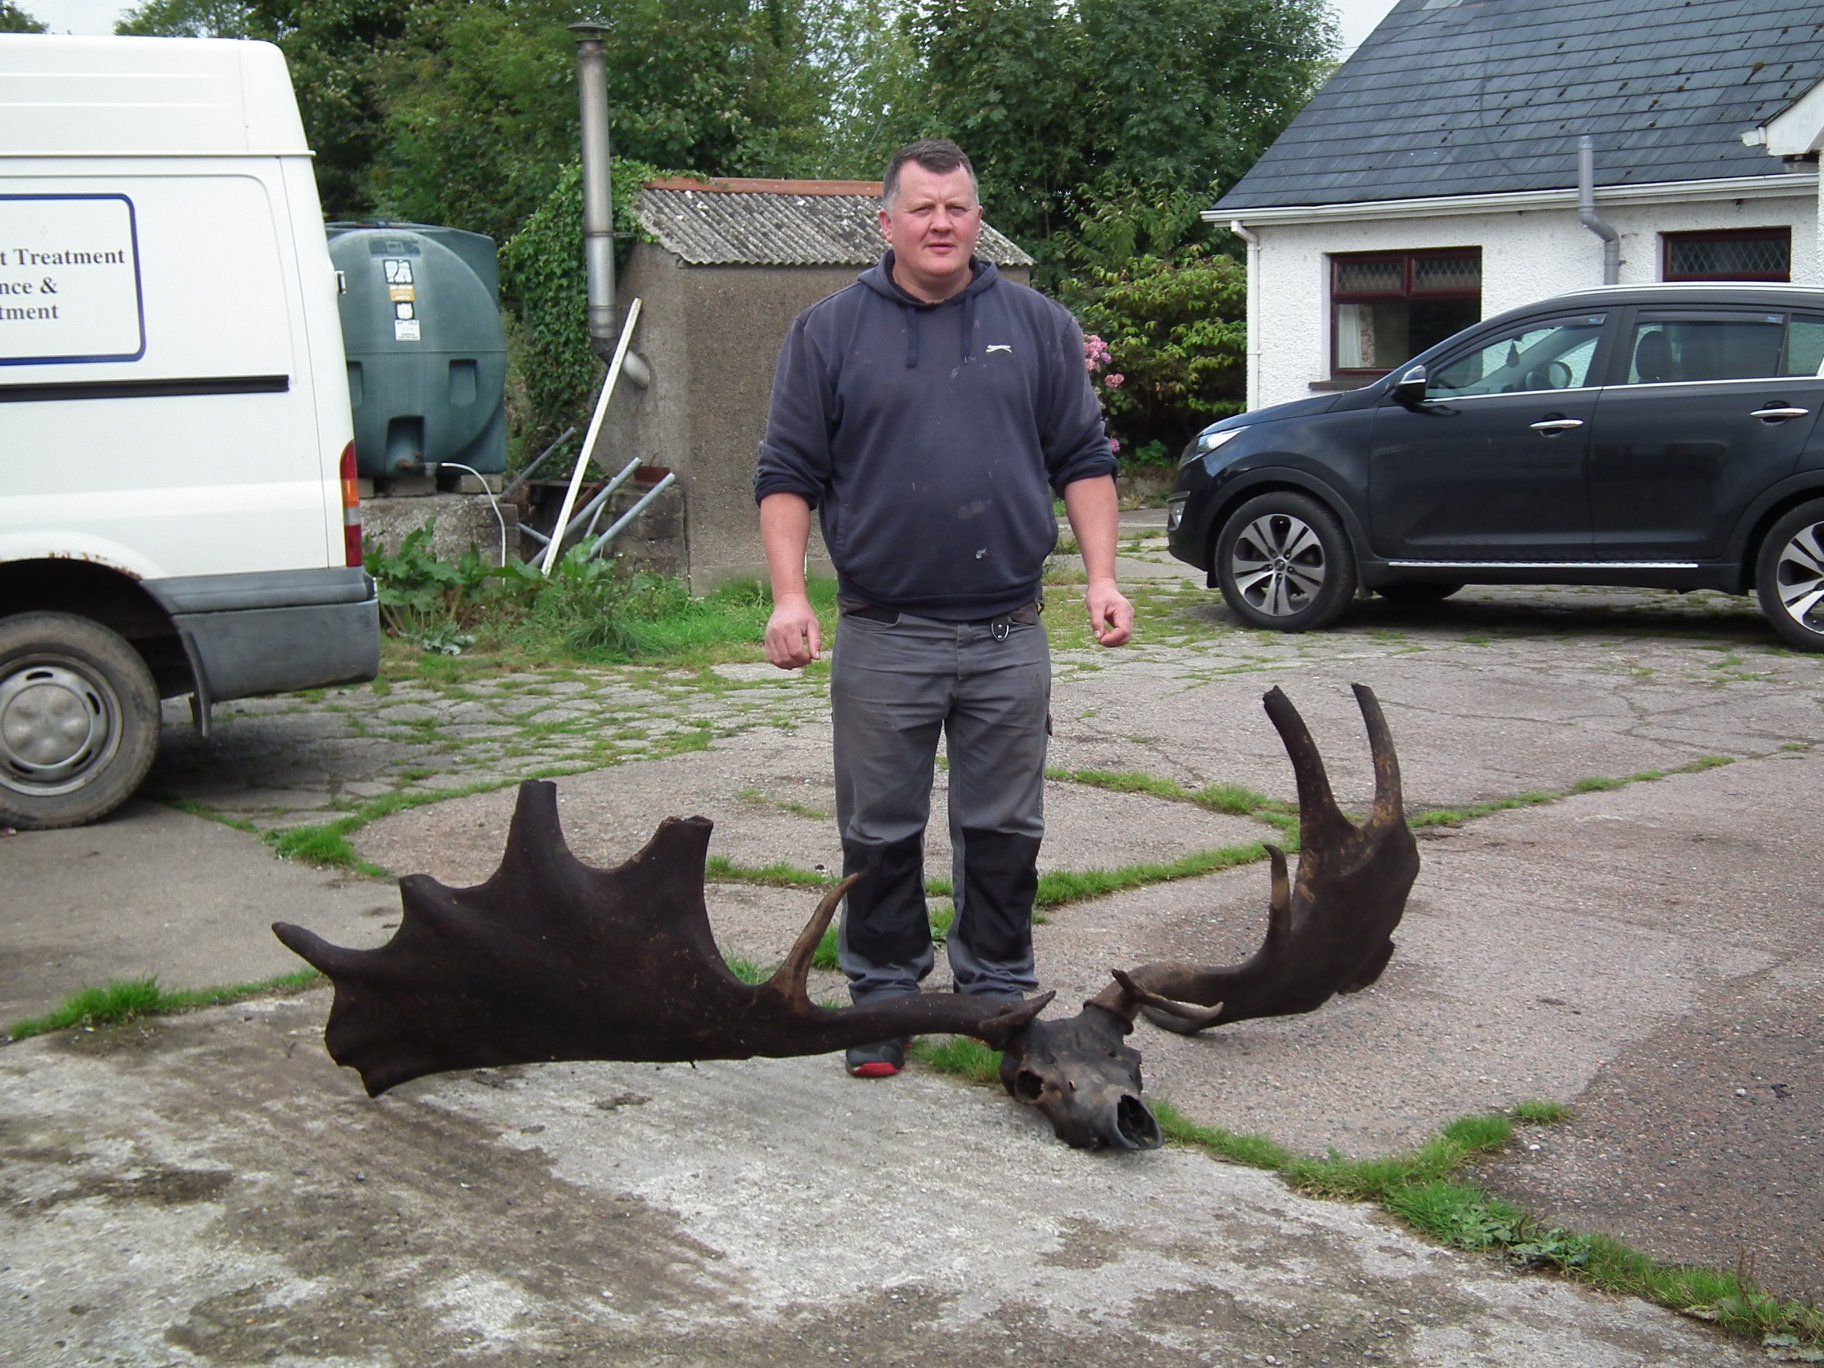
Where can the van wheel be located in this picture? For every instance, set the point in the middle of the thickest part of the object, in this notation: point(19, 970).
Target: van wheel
point(1283, 561)
point(1789, 576)
point(78, 720)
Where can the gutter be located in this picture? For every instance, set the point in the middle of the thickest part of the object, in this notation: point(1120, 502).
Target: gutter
point(1777, 185)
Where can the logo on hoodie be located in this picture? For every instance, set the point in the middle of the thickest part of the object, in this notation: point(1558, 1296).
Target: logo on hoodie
point(994, 347)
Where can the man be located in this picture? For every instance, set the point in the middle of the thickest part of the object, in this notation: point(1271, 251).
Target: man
point(928, 411)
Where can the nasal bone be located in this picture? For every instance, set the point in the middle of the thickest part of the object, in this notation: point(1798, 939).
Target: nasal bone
point(1132, 1126)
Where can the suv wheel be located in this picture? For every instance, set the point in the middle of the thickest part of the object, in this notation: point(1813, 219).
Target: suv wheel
point(1789, 576)
point(78, 720)
point(1283, 562)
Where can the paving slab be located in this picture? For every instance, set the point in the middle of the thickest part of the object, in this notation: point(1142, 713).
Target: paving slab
point(769, 1212)
point(156, 892)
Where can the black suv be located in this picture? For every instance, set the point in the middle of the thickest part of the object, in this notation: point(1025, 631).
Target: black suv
point(1656, 435)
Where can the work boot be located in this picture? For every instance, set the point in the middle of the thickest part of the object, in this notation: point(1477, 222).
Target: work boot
point(882, 1059)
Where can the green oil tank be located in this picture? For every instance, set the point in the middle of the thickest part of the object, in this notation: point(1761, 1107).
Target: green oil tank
point(427, 355)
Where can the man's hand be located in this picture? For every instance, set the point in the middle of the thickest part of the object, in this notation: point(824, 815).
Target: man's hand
point(793, 634)
point(1111, 616)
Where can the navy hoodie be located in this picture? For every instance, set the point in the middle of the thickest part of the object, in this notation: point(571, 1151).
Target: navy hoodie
point(930, 438)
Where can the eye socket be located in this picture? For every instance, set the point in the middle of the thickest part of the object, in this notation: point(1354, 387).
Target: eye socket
point(1028, 1086)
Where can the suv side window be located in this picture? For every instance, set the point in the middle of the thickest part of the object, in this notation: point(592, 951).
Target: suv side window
point(1666, 349)
point(1805, 346)
point(1534, 356)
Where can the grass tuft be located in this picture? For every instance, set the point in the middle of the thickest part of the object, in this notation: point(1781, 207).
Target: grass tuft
point(960, 1056)
point(1541, 1112)
point(123, 1000)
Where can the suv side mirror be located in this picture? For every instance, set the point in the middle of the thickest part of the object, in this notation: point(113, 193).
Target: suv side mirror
point(1410, 390)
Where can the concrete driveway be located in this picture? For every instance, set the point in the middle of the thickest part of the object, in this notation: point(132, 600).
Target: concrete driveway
point(1639, 940)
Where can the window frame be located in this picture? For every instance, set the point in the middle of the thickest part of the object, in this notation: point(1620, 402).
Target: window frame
point(1667, 240)
point(1408, 258)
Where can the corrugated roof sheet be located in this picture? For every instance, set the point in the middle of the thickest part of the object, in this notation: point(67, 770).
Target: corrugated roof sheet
point(779, 223)
point(1462, 97)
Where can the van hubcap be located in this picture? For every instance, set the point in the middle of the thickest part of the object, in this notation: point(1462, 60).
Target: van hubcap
point(56, 723)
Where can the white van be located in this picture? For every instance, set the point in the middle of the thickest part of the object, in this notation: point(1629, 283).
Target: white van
point(177, 473)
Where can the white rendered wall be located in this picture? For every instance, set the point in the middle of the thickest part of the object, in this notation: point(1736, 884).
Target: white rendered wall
point(1526, 255)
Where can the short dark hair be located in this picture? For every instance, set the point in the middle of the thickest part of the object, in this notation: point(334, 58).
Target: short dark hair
point(936, 155)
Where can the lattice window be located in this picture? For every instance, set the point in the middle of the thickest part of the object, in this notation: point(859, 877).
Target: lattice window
point(1736, 254)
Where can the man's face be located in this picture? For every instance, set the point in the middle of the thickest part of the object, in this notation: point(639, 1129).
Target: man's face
point(932, 228)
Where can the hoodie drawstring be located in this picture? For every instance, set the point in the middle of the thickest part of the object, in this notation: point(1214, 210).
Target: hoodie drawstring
point(912, 312)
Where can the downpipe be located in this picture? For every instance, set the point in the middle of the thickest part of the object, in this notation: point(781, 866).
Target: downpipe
point(1252, 238)
point(1586, 210)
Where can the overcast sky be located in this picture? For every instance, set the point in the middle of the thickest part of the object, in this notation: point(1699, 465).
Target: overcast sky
point(1357, 17)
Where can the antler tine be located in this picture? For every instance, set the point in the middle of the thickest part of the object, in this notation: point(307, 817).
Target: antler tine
point(1330, 931)
point(1389, 804)
point(790, 979)
point(1317, 809)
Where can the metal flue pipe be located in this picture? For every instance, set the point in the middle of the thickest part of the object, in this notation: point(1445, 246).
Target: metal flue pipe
point(598, 198)
point(1586, 210)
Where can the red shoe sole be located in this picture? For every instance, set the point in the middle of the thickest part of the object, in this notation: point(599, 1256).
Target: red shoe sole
point(877, 1070)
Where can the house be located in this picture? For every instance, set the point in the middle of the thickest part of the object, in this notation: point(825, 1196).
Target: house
point(731, 263)
point(1434, 180)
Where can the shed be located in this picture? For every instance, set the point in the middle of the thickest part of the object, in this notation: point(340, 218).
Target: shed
point(733, 263)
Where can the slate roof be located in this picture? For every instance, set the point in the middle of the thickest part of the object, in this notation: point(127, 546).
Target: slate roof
point(1460, 97)
point(735, 222)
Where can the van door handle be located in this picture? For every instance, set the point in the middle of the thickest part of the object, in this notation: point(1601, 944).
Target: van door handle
point(1778, 414)
point(1551, 427)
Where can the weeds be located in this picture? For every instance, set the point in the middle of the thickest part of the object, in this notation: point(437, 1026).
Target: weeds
point(588, 610)
point(123, 1000)
point(1424, 1188)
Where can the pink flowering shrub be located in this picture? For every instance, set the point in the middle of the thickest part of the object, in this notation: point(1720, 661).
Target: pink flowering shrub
point(1166, 344)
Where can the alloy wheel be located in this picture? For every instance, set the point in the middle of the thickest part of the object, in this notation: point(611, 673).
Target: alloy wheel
point(1278, 564)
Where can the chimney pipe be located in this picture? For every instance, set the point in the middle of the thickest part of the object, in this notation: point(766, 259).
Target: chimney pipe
point(598, 199)
point(1586, 210)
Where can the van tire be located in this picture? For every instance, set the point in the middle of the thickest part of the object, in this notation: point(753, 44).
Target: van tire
point(78, 720)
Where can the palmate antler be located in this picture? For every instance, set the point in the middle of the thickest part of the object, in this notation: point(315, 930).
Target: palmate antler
point(1327, 933)
point(1331, 930)
point(553, 959)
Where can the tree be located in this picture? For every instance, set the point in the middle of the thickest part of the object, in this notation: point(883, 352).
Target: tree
point(15, 20)
point(480, 105)
point(1070, 108)
point(337, 51)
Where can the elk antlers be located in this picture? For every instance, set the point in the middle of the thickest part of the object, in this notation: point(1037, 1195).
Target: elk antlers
point(552, 959)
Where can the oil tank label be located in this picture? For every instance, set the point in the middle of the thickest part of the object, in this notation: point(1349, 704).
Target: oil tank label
point(69, 280)
point(402, 291)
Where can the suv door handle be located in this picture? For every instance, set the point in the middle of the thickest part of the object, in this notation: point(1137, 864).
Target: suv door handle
point(1778, 414)
point(1551, 427)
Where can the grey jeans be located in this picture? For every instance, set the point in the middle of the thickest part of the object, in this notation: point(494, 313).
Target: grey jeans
point(894, 687)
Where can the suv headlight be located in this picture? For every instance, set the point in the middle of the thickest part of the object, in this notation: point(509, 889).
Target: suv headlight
point(1206, 442)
